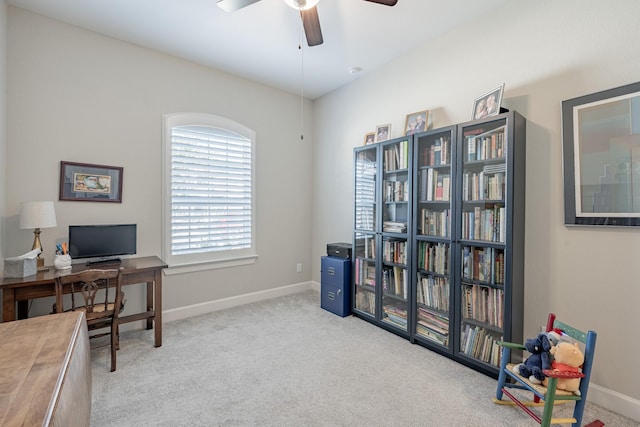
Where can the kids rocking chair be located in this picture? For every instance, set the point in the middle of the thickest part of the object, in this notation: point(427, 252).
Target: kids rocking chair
point(547, 397)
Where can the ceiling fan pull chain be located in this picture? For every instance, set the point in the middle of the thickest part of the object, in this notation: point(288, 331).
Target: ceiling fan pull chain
point(301, 84)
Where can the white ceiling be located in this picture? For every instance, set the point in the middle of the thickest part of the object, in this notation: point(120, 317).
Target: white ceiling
point(260, 42)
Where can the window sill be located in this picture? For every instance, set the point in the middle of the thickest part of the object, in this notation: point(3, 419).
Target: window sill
point(209, 265)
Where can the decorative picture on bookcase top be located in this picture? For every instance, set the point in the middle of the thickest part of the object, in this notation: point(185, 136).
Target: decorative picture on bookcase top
point(369, 138)
point(488, 104)
point(416, 122)
point(382, 132)
point(84, 182)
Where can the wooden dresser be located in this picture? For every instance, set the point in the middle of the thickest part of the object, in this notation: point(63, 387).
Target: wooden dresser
point(45, 371)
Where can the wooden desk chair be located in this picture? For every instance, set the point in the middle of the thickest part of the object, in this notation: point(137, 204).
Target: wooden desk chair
point(89, 287)
point(549, 395)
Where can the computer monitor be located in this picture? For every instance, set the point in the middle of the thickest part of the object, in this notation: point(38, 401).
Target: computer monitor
point(102, 241)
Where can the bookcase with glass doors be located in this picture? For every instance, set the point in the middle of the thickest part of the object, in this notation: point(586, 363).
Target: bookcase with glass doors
point(489, 238)
point(444, 266)
point(381, 242)
point(435, 154)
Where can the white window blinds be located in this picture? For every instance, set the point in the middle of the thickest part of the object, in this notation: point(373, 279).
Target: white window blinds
point(211, 190)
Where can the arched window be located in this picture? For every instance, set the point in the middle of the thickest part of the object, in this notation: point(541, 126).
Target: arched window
point(208, 191)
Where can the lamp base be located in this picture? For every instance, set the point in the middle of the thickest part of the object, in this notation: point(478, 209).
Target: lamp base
point(40, 264)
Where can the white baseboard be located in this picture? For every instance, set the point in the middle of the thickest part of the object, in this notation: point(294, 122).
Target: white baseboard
point(614, 401)
point(221, 304)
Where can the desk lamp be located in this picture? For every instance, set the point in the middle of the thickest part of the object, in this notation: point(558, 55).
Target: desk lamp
point(37, 215)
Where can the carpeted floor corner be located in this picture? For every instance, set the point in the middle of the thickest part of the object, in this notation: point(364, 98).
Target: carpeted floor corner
point(287, 362)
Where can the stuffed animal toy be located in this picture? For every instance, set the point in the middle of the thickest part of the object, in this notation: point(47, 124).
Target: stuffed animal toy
point(567, 357)
point(555, 336)
point(539, 359)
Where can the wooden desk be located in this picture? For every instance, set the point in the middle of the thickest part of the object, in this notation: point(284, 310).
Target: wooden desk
point(42, 284)
point(45, 371)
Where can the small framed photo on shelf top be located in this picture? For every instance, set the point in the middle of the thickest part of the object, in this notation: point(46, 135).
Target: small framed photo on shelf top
point(382, 132)
point(370, 138)
point(488, 104)
point(416, 122)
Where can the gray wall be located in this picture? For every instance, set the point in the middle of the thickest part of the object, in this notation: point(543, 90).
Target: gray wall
point(75, 95)
point(545, 52)
point(79, 96)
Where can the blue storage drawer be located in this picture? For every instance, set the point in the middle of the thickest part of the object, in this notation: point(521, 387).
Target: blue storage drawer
point(335, 285)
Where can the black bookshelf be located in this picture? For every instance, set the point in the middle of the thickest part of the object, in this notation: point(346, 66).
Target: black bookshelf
point(444, 267)
point(382, 244)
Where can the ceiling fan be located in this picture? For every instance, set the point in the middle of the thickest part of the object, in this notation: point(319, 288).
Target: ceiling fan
point(308, 13)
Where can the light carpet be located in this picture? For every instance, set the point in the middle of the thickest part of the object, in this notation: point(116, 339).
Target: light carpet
point(287, 362)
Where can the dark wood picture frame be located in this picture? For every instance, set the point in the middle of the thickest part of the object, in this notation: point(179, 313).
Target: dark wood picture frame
point(601, 158)
point(85, 182)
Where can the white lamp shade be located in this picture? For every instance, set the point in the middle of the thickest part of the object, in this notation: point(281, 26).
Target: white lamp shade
point(301, 4)
point(37, 215)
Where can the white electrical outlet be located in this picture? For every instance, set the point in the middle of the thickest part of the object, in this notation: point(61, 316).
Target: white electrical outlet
point(299, 267)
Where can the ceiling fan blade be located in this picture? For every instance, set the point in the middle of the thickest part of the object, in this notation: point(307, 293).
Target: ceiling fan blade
point(311, 24)
point(233, 5)
point(384, 2)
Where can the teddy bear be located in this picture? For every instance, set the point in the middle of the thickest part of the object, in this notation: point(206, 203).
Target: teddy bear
point(538, 360)
point(567, 357)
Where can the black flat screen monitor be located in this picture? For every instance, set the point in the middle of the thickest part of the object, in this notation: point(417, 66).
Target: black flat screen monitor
point(102, 241)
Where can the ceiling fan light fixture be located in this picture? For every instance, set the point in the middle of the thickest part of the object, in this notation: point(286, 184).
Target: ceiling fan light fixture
point(301, 4)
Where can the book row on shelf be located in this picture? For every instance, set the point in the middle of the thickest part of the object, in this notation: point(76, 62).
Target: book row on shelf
point(394, 226)
point(438, 153)
point(396, 156)
point(434, 185)
point(433, 326)
point(484, 304)
point(396, 315)
point(484, 224)
point(395, 251)
point(395, 281)
point(483, 264)
point(396, 191)
point(366, 301)
point(435, 223)
point(369, 247)
point(365, 272)
point(483, 186)
point(486, 146)
point(433, 257)
point(480, 344)
point(433, 292)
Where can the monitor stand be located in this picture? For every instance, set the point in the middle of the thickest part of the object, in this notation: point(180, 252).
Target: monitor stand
point(104, 261)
